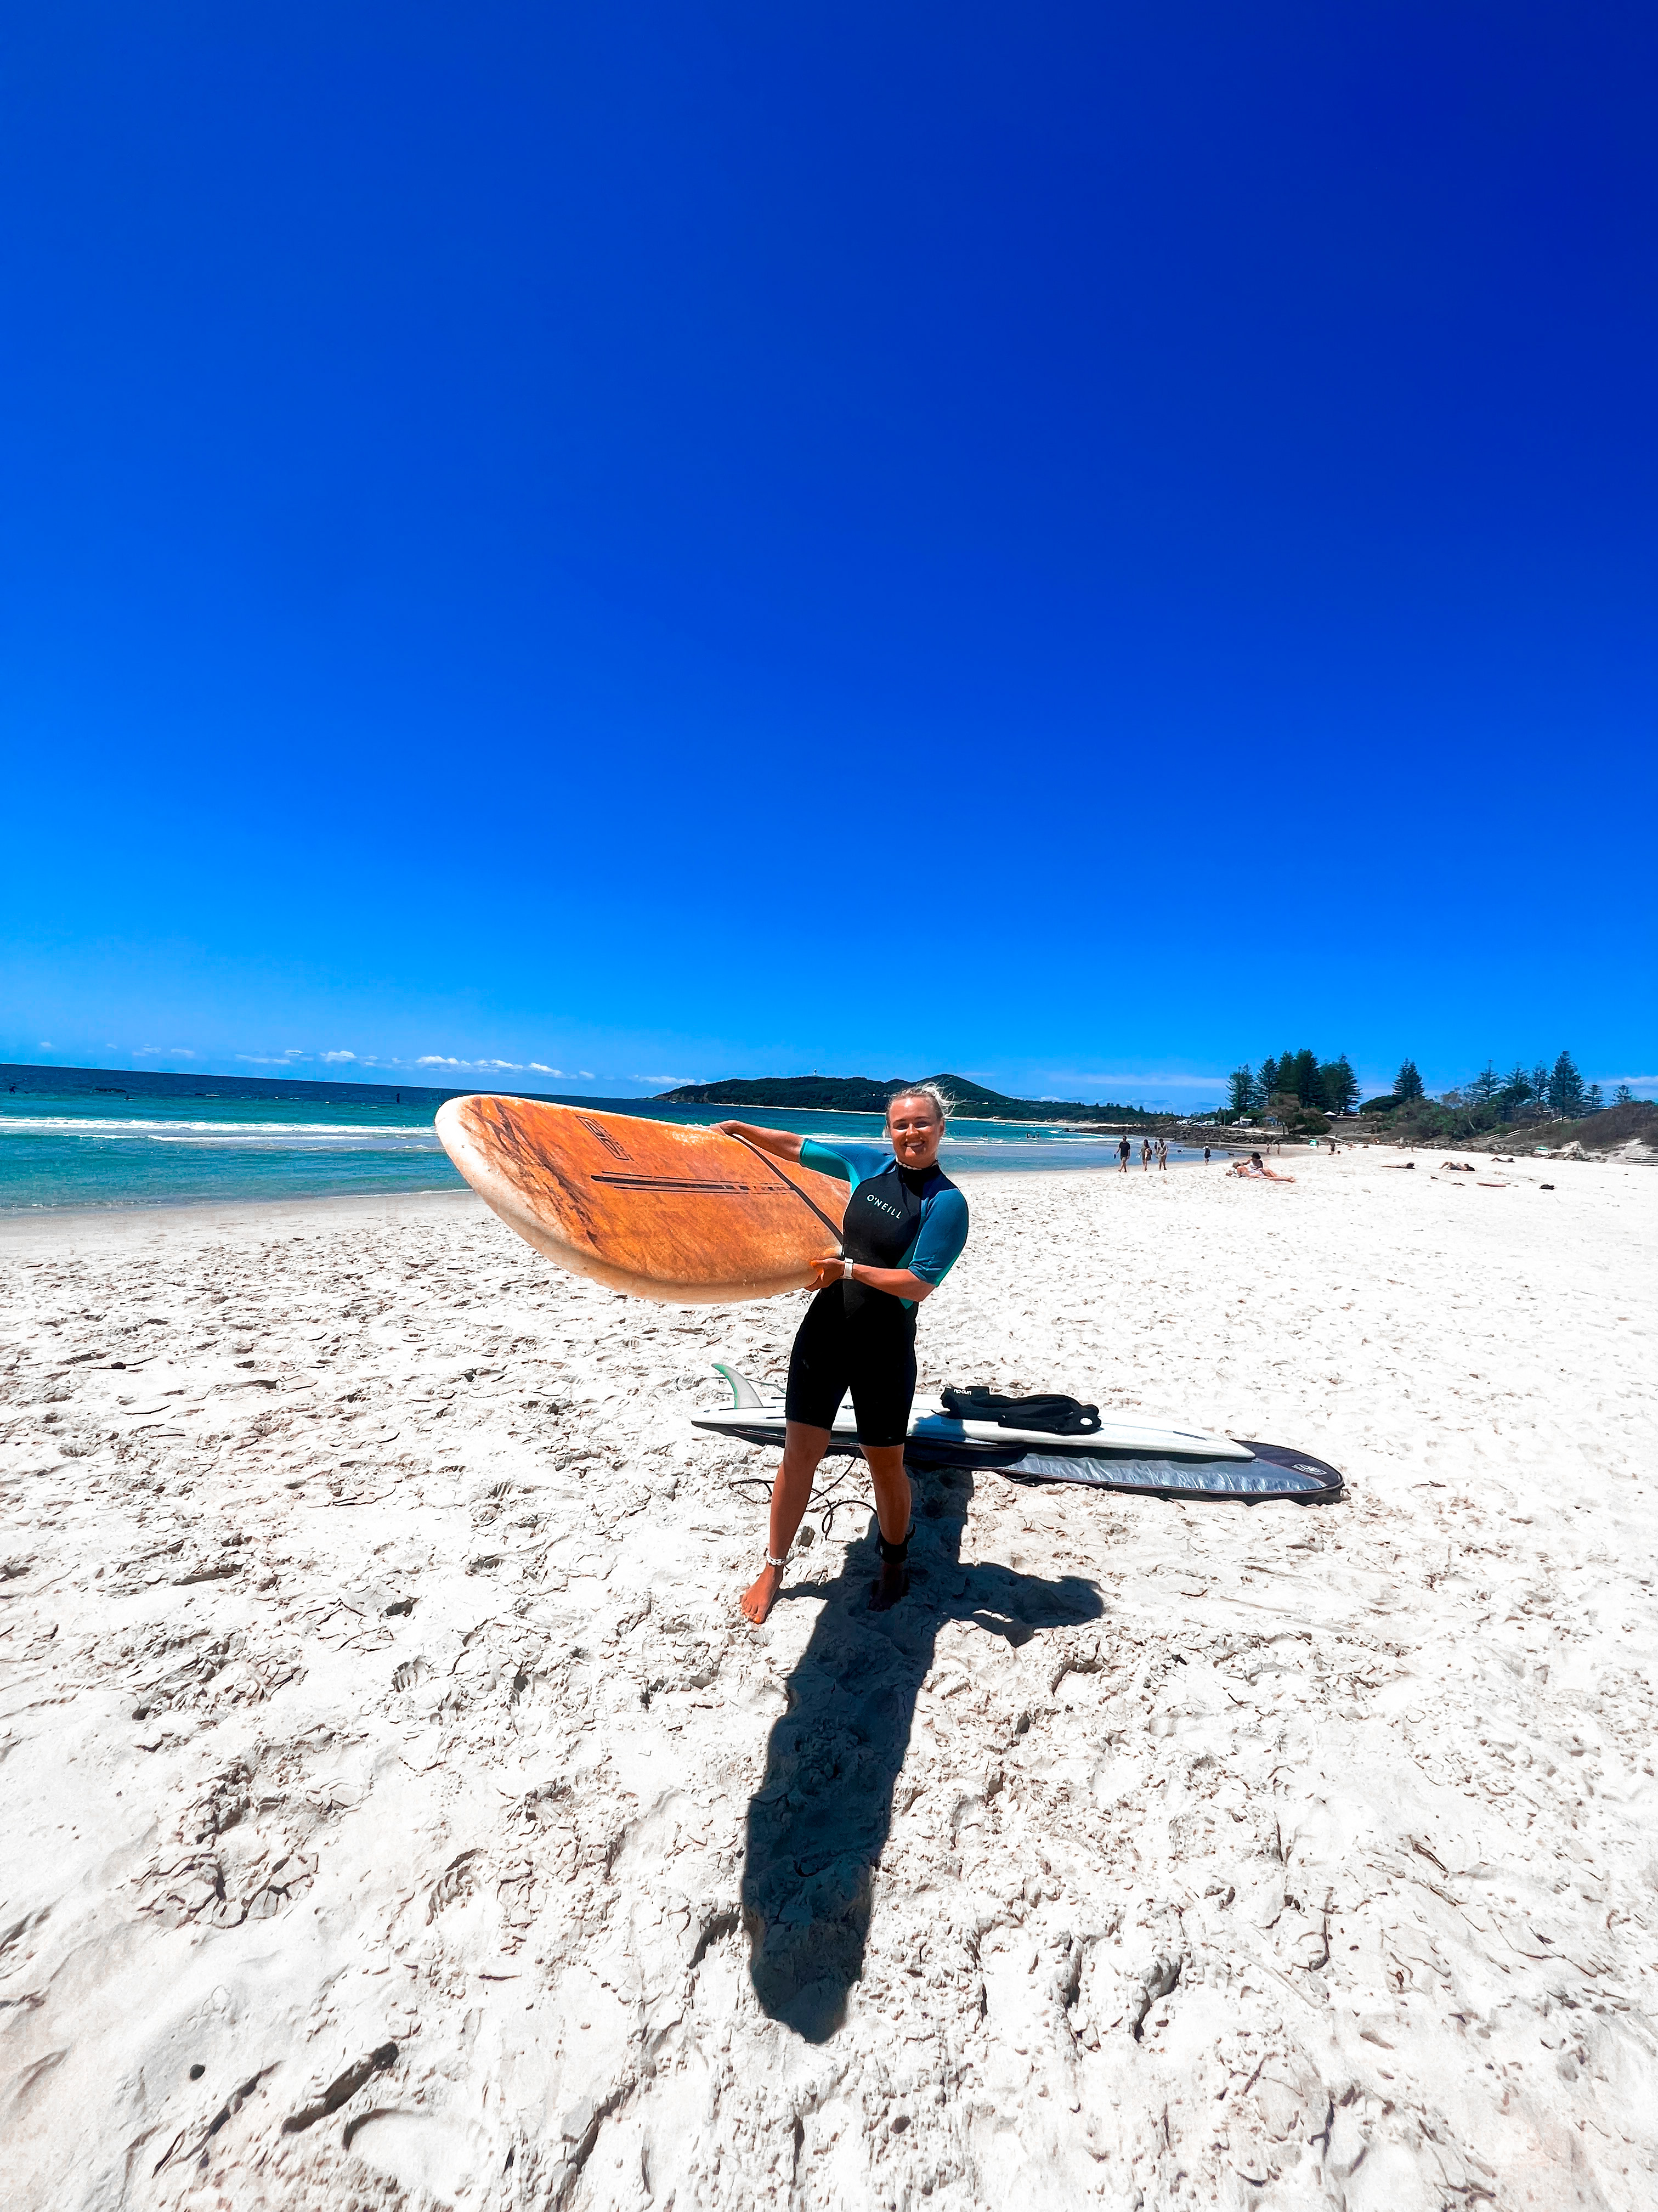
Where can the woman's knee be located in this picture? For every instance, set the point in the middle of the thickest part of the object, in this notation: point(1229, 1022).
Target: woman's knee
point(886, 1462)
point(804, 1446)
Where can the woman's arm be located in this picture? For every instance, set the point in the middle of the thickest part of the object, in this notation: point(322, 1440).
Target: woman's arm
point(781, 1142)
point(896, 1282)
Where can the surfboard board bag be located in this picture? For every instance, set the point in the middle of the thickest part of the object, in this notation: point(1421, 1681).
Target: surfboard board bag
point(1048, 1411)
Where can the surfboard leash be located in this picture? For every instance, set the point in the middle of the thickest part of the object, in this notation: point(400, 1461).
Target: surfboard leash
point(766, 1159)
point(830, 1494)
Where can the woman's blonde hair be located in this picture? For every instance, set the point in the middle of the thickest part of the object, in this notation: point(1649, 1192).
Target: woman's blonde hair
point(941, 1101)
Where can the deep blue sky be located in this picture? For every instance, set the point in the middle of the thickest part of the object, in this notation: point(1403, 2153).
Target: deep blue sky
point(1074, 543)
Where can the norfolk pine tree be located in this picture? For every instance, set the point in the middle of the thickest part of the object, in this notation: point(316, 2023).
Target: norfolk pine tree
point(1516, 1093)
point(1565, 1088)
point(1339, 1085)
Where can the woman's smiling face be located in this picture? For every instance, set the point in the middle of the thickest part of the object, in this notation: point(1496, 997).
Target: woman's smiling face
point(916, 1129)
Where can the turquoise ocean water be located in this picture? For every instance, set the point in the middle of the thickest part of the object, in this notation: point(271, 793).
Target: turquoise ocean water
point(92, 1147)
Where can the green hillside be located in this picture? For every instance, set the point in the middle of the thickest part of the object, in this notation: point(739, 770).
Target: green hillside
point(861, 1094)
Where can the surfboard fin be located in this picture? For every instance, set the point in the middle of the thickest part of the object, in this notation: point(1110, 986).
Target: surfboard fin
point(744, 1393)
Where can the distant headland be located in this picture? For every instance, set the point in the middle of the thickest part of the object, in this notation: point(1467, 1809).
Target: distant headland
point(159, 1084)
point(861, 1094)
point(835, 1094)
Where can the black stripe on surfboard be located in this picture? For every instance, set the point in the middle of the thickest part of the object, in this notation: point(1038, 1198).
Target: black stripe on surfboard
point(766, 1160)
point(665, 1182)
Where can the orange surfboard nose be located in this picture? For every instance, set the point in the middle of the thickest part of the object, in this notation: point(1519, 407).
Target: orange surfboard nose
point(656, 1208)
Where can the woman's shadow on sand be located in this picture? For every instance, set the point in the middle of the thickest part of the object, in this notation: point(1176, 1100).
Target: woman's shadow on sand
point(818, 1823)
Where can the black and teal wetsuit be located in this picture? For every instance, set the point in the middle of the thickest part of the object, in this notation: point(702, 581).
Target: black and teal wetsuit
point(860, 1340)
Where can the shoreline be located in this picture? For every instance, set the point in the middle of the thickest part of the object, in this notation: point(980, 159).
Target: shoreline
point(144, 1207)
point(252, 1214)
point(197, 1212)
point(16, 1224)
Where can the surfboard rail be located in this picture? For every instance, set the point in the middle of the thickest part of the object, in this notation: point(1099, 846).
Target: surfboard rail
point(671, 1210)
point(759, 1407)
point(1132, 1457)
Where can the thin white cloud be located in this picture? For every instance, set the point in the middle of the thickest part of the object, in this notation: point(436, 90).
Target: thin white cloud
point(586, 1075)
point(1149, 1082)
point(332, 1058)
point(483, 1066)
point(44, 1045)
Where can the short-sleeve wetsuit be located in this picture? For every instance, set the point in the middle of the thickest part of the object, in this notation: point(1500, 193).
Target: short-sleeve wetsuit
point(860, 1340)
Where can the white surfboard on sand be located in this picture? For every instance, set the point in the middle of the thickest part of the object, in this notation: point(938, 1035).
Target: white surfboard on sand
point(757, 1417)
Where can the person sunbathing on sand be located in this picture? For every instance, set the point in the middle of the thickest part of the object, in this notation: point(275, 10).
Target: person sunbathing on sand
point(1255, 1170)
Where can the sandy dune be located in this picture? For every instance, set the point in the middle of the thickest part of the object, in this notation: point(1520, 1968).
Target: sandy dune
point(395, 1807)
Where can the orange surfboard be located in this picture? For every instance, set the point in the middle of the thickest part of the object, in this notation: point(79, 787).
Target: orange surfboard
point(654, 1208)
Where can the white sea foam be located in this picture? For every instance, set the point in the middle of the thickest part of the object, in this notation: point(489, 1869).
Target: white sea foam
point(66, 1124)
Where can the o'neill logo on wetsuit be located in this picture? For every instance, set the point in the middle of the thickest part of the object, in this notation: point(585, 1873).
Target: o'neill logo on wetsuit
point(881, 1205)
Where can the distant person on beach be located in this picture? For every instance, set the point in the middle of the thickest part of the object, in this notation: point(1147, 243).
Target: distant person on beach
point(1163, 1155)
point(1256, 1169)
point(905, 1223)
point(1205, 1156)
point(1146, 1154)
point(1123, 1151)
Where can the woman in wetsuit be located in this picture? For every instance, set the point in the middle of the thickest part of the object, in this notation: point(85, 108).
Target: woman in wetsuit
point(905, 1225)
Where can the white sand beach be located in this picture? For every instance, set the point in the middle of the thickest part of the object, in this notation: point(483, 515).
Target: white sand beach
point(398, 1810)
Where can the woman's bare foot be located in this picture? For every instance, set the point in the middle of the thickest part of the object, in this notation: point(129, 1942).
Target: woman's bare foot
point(761, 1594)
